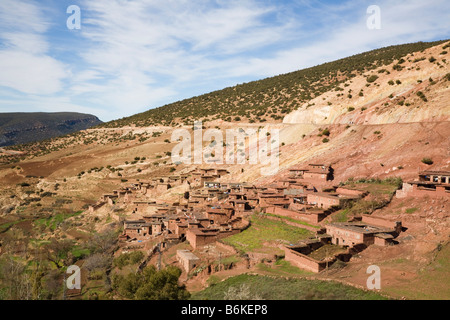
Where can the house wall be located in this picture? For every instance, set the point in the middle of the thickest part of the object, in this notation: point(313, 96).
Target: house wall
point(413, 190)
point(380, 241)
point(322, 202)
point(198, 239)
point(377, 221)
point(345, 237)
point(315, 176)
point(187, 263)
point(309, 217)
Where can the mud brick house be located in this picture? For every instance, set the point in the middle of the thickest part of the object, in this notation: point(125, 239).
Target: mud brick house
point(200, 176)
point(140, 230)
point(129, 197)
point(294, 190)
point(435, 184)
point(95, 207)
point(233, 186)
point(298, 202)
point(241, 205)
point(353, 233)
point(145, 188)
point(268, 198)
point(202, 236)
point(162, 187)
point(218, 216)
point(326, 200)
point(297, 172)
point(163, 209)
point(142, 206)
point(313, 172)
point(198, 237)
point(175, 180)
point(298, 255)
point(227, 208)
point(198, 198)
point(170, 222)
point(252, 199)
point(213, 172)
point(233, 195)
point(109, 198)
point(212, 184)
point(122, 192)
point(187, 260)
point(248, 188)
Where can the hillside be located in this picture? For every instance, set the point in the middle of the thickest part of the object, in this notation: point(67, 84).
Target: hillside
point(273, 98)
point(23, 127)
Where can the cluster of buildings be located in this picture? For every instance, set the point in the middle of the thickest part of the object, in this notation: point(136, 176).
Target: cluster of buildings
point(209, 209)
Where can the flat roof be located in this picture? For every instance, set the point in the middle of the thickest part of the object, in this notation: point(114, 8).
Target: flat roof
point(441, 172)
point(186, 254)
point(359, 227)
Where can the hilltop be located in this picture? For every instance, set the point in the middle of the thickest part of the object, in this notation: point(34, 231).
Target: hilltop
point(273, 98)
point(24, 127)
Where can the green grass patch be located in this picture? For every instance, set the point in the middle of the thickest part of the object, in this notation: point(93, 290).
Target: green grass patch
point(54, 221)
point(341, 216)
point(280, 288)
point(80, 252)
point(292, 220)
point(5, 226)
point(411, 210)
point(264, 230)
point(283, 268)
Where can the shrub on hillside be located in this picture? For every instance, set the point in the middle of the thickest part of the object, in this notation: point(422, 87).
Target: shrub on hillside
point(372, 78)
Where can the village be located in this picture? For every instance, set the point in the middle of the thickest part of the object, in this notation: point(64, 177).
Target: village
point(211, 209)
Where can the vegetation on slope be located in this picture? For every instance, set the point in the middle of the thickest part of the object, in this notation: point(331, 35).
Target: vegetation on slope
point(271, 97)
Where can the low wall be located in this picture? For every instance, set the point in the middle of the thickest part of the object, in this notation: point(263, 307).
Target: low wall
point(378, 221)
point(308, 217)
point(226, 247)
point(304, 262)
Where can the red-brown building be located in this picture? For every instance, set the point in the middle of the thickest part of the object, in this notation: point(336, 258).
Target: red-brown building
point(435, 184)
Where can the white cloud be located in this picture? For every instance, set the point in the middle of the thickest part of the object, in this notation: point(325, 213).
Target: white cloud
point(24, 63)
point(29, 73)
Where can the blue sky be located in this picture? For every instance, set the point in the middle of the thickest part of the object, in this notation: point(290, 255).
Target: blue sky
point(133, 55)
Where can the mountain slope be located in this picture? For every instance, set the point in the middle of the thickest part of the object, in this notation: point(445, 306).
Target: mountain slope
point(272, 98)
point(18, 128)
